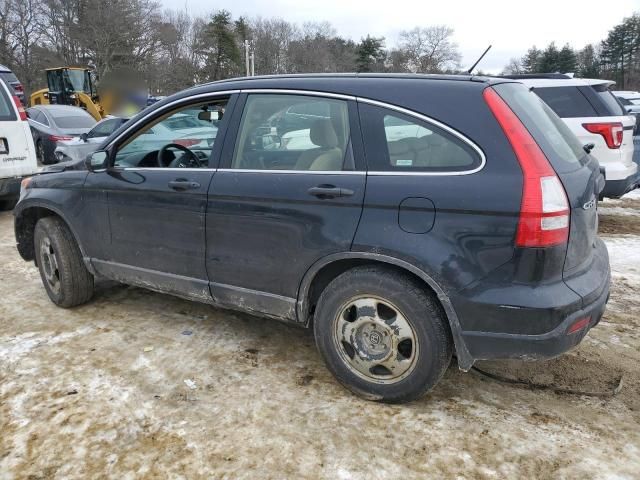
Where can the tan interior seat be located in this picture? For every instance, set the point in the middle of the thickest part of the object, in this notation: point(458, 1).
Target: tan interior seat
point(329, 156)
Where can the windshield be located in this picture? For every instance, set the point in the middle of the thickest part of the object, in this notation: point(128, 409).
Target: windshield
point(77, 81)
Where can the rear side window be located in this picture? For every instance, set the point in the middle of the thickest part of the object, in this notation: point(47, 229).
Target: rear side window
point(75, 122)
point(556, 140)
point(401, 143)
point(567, 102)
point(6, 108)
point(609, 101)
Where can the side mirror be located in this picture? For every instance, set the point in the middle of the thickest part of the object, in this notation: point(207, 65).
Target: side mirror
point(84, 137)
point(96, 160)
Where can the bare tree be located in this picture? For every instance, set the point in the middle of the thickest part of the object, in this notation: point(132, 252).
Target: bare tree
point(514, 67)
point(429, 49)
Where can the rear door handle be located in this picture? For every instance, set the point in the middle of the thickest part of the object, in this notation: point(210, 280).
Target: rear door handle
point(329, 191)
point(182, 184)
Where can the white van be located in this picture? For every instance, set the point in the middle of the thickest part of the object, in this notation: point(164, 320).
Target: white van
point(17, 152)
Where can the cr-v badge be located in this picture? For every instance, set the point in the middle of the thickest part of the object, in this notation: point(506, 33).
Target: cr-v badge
point(590, 204)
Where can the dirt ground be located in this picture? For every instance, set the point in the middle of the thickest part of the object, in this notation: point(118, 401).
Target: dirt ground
point(140, 385)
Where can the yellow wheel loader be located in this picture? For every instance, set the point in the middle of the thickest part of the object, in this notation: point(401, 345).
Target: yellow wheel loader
point(72, 86)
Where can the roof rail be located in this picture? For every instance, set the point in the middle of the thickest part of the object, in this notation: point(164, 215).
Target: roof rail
point(552, 76)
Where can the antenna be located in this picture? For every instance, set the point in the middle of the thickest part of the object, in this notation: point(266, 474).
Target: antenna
point(478, 61)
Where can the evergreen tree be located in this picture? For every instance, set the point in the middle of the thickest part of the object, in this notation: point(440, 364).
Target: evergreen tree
point(567, 60)
point(550, 59)
point(370, 54)
point(588, 62)
point(531, 61)
point(220, 47)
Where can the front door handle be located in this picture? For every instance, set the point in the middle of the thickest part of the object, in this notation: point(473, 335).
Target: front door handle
point(182, 184)
point(329, 191)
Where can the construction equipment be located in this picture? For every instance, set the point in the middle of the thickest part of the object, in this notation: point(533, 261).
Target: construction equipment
point(72, 86)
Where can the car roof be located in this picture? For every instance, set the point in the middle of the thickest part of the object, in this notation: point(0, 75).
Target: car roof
point(4, 69)
point(563, 82)
point(57, 110)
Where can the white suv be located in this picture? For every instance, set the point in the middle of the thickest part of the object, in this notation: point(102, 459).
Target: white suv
point(596, 117)
point(17, 153)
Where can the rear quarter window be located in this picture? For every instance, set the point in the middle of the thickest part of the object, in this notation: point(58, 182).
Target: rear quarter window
point(566, 102)
point(610, 103)
point(6, 108)
point(561, 147)
point(396, 142)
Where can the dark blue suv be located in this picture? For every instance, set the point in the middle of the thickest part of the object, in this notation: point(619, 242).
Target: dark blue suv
point(403, 218)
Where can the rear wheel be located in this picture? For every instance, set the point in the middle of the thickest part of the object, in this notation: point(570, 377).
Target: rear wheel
point(40, 153)
point(64, 275)
point(382, 335)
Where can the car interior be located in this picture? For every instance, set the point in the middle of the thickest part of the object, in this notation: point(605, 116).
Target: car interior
point(182, 139)
point(317, 142)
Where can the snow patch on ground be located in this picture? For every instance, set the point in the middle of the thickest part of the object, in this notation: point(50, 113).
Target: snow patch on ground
point(624, 254)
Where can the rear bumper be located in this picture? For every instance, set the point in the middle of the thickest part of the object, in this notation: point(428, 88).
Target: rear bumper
point(486, 346)
point(10, 187)
point(533, 322)
point(617, 188)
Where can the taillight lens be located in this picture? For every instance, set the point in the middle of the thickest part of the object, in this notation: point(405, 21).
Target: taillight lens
point(59, 138)
point(187, 142)
point(612, 132)
point(18, 88)
point(544, 211)
point(21, 111)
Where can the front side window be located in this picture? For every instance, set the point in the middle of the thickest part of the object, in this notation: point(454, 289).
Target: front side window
point(183, 138)
point(105, 128)
point(293, 132)
point(398, 142)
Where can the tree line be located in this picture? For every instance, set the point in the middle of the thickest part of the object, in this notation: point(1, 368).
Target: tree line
point(617, 57)
point(169, 50)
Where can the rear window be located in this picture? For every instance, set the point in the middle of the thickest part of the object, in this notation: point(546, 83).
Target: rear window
point(75, 122)
point(6, 108)
point(558, 143)
point(9, 77)
point(567, 102)
point(610, 102)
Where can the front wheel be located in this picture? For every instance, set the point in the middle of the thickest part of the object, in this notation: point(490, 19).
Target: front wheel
point(64, 274)
point(382, 335)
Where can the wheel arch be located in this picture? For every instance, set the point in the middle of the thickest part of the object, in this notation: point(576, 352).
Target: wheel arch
point(26, 217)
point(326, 269)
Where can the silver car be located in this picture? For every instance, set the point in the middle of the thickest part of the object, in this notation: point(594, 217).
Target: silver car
point(79, 147)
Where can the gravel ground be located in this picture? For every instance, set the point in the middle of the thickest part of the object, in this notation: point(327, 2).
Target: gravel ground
point(140, 385)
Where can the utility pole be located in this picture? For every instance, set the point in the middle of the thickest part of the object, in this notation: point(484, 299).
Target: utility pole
point(246, 57)
point(253, 60)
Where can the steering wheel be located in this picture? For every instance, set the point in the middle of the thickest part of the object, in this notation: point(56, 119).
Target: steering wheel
point(192, 160)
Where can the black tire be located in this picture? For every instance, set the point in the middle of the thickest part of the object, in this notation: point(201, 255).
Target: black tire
point(415, 304)
point(40, 155)
point(64, 274)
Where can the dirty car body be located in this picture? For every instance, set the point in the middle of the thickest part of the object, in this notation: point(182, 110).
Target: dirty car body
point(400, 187)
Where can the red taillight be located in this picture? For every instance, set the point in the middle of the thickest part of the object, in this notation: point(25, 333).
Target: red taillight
point(18, 88)
point(578, 325)
point(59, 138)
point(544, 211)
point(21, 111)
point(612, 132)
point(187, 142)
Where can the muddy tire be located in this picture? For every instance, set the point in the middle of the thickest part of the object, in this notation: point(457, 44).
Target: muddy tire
point(382, 334)
point(40, 155)
point(64, 275)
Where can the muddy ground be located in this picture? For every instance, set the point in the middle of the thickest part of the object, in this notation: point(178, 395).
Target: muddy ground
point(140, 385)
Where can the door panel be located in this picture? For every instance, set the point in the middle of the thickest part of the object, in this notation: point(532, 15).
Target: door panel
point(273, 216)
point(155, 228)
point(156, 215)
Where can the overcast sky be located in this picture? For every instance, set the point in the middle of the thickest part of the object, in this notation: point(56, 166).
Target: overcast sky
point(510, 26)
